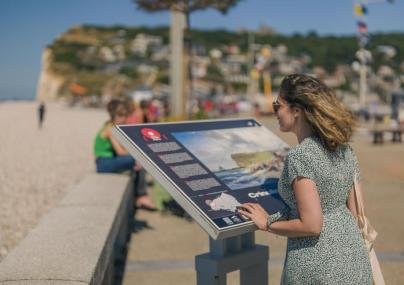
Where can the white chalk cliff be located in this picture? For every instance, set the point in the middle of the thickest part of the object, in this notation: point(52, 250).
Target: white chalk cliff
point(49, 84)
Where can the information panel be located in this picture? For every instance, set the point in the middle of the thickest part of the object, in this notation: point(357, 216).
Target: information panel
point(211, 167)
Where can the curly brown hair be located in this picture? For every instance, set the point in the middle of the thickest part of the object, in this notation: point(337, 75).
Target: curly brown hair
point(328, 117)
point(118, 106)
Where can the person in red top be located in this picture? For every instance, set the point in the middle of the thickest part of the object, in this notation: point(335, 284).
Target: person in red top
point(132, 116)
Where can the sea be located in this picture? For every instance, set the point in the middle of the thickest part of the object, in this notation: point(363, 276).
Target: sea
point(14, 95)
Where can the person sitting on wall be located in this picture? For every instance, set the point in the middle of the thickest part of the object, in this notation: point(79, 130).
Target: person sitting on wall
point(112, 157)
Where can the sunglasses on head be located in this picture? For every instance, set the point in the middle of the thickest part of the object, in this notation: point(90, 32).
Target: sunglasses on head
point(276, 105)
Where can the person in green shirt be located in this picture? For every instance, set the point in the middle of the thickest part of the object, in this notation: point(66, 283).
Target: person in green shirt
point(112, 157)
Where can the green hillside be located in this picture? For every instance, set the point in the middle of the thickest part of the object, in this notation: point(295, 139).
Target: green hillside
point(76, 53)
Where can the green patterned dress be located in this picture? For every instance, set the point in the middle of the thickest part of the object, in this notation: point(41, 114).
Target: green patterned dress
point(338, 255)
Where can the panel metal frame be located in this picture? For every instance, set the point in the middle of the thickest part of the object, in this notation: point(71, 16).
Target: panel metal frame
point(175, 191)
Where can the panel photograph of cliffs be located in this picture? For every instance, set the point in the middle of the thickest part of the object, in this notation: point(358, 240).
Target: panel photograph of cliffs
point(240, 157)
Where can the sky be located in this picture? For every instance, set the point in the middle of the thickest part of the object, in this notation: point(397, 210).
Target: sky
point(28, 26)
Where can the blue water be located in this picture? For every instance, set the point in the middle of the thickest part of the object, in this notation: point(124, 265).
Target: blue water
point(2, 99)
point(16, 95)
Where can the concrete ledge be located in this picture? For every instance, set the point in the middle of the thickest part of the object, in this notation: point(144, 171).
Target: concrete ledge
point(78, 241)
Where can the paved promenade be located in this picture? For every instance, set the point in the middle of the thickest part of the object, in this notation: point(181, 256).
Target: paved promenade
point(164, 253)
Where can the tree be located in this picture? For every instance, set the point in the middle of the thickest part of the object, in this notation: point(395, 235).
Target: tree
point(186, 7)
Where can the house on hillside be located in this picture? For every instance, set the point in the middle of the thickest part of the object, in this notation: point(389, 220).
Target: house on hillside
point(143, 41)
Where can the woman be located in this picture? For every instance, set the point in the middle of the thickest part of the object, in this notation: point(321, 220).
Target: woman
point(111, 156)
point(324, 242)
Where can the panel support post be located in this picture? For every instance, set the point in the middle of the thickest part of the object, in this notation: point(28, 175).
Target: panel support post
point(231, 254)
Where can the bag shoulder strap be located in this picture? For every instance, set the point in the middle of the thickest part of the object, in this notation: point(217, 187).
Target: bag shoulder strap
point(360, 207)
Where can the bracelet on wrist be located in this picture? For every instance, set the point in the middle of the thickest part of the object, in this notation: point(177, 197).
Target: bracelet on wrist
point(270, 220)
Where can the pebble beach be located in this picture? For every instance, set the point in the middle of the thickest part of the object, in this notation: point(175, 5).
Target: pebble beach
point(38, 166)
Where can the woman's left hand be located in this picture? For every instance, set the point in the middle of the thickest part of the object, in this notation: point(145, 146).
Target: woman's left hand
point(256, 213)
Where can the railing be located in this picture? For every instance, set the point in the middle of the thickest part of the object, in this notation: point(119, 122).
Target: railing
point(378, 134)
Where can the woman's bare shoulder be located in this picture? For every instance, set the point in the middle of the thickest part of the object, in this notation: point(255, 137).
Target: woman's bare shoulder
point(106, 130)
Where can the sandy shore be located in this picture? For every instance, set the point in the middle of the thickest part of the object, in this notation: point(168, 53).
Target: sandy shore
point(38, 166)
